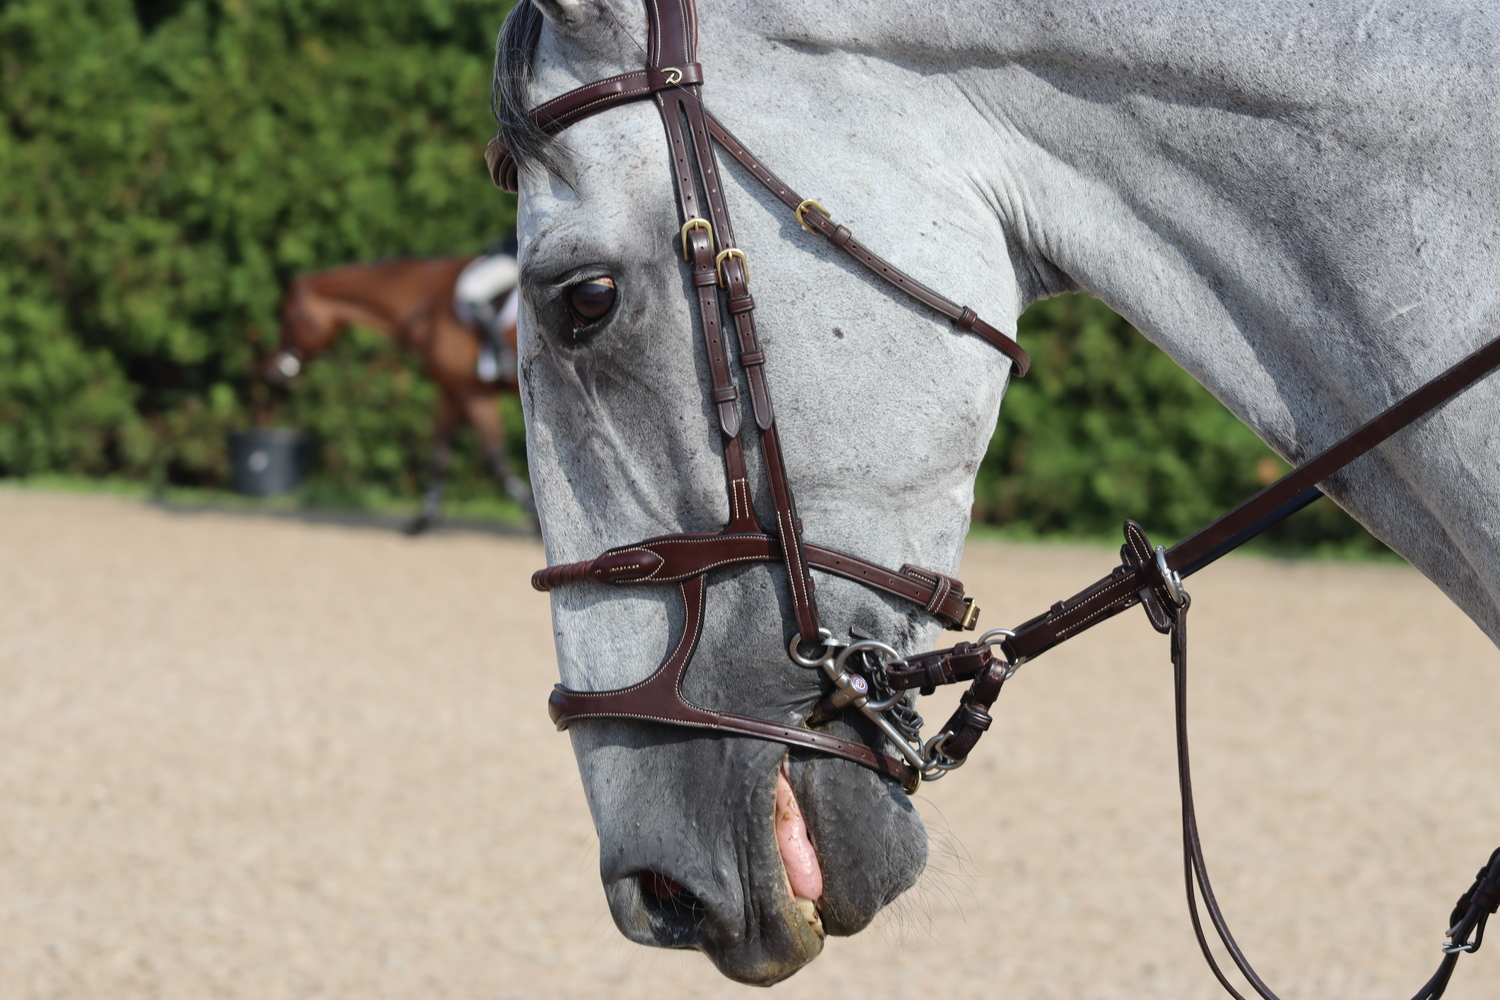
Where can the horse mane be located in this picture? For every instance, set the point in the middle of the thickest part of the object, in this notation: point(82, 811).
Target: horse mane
point(510, 94)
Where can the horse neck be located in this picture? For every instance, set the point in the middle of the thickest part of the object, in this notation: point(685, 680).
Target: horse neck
point(1254, 186)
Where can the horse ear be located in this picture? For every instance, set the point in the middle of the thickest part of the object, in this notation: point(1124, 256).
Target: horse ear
point(591, 21)
point(563, 14)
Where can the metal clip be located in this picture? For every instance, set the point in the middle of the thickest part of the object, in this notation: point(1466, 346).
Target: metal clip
point(1170, 577)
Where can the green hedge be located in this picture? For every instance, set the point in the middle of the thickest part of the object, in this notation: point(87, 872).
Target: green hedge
point(1106, 427)
point(168, 165)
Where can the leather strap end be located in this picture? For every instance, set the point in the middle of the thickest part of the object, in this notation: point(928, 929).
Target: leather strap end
point(502, 166)
point(1007, 346)
point(557, 707)
point(554, 576)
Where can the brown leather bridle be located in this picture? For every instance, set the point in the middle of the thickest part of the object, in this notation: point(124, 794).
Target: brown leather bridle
point(1148, 575)
point(720, 277)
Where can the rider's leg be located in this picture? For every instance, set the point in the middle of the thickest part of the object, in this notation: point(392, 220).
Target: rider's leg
point(442, 458)
point(491, 364)
point(503, 335)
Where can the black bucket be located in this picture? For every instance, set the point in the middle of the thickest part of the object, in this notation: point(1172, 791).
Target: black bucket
point(267, 460)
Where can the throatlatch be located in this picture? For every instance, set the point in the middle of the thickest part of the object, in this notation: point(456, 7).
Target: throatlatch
point(866, 675)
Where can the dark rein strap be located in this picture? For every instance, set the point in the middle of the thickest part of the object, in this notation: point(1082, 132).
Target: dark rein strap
point(1141, 577)
point(1152, 576)
point(1465, 924)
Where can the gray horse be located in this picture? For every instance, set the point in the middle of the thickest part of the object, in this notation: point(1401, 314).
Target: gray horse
point(1298, 202)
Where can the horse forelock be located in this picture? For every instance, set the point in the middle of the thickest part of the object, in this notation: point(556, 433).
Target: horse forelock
point(510, 96)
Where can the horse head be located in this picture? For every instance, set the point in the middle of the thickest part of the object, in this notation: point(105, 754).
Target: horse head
point(303, 334)
point(883, 412)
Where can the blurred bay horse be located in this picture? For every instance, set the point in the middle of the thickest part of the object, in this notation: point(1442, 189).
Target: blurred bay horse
point(412, 302)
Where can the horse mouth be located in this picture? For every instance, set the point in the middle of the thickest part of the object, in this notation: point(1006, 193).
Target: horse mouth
point(799, 860)
point(676, 917)
point(751, 855)
point(677, 914)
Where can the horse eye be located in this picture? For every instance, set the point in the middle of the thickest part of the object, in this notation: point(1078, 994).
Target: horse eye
point(590, 300)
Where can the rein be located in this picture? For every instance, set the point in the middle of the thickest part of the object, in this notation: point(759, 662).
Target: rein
point(867, 675)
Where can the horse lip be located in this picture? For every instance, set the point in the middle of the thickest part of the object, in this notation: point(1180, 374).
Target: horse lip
point(799, 858)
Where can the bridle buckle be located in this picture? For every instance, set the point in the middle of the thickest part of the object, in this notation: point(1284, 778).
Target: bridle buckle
point(726, 254)
point(803, 207)
point(689, 226)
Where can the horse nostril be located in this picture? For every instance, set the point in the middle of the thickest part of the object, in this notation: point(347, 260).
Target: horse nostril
point(675, 914)
point(659, 885)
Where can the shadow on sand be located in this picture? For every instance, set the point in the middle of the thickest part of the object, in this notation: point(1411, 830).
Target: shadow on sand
point(383, 521)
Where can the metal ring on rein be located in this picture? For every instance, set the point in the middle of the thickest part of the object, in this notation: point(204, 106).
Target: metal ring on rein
point(829, 645)
point(1004, 633)
point(852, 690)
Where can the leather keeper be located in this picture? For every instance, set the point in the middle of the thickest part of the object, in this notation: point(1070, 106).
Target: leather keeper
point(702, 279)
point(501, 165)
point(967, 724)
point(749, 358)
point(1485, 894)
point(741, 303)
point(986, 687)
point(728, 394)
point(663, 78)
point(963, 662)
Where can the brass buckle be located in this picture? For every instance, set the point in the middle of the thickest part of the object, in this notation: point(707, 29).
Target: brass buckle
point(738, 255)
point(970, 616)
point(688, 227)
point(806, 204)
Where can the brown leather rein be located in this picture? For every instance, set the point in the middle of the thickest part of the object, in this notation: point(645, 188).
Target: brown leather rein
point(867, 675)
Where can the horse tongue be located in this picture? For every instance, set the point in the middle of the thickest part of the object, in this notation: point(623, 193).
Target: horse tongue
point(796, 851)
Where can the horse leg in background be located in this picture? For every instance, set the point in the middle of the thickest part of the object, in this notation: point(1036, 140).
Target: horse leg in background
point(442, 458)
point(484, 413)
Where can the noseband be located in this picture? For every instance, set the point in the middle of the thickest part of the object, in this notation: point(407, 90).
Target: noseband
point(1148, 575)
